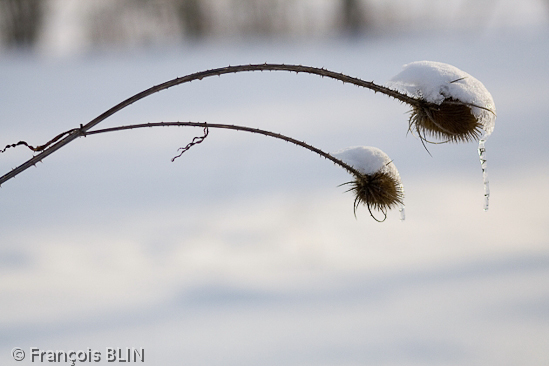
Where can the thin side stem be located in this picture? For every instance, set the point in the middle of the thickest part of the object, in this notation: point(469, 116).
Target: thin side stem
point(335, 160)
point(199, 76)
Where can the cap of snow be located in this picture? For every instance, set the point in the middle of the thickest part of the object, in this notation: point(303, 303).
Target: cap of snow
point(368, 160)
point(436, 81)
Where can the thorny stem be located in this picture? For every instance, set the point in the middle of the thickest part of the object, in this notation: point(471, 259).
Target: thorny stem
point(75, 133)
point(207, 125)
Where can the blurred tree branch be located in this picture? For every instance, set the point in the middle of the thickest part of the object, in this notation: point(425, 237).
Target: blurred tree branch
point(353, 19)
point(21, 21)
point(191, 15)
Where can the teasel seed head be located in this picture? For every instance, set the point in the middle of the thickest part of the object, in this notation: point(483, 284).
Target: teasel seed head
point(451, 121)
point(378, 185)
point(452, 106)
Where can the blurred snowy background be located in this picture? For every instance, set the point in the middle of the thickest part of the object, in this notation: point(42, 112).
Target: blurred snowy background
point(245, 251)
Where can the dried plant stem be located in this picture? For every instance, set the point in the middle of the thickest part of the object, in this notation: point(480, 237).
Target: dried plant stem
point(56, 144)
point(207, 125)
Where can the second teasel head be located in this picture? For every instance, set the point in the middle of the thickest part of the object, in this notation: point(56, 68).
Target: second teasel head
point(377, 184)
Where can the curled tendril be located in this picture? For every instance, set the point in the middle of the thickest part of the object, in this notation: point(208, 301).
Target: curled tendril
point(196, 140)
point(80, 131)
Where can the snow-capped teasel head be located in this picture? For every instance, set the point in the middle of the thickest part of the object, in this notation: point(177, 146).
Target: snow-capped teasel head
point(464, 111)
point(379, 186)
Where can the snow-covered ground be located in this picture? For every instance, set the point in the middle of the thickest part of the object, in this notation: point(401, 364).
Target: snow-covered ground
point(245, 251)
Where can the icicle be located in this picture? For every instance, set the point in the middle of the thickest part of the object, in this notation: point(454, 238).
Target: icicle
point(402, 212)
point(482, 155)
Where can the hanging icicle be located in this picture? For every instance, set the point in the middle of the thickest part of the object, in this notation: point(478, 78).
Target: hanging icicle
point(482, 156)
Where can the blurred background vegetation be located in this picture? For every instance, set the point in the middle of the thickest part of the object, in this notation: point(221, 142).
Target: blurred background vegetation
point(88, 24)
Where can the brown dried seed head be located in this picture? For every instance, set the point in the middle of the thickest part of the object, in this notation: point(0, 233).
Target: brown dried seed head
point(449, 103)
point(380, 191)
point(376, 182)
point(451, 121)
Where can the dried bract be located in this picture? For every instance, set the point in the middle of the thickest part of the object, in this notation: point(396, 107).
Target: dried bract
point(379, 191)
point(451, 121)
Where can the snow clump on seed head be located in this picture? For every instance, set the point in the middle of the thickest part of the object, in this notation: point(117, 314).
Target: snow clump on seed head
point(464, 108)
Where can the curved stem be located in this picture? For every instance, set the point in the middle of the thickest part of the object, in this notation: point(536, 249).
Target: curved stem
point(337, 161)
point(199, 76)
